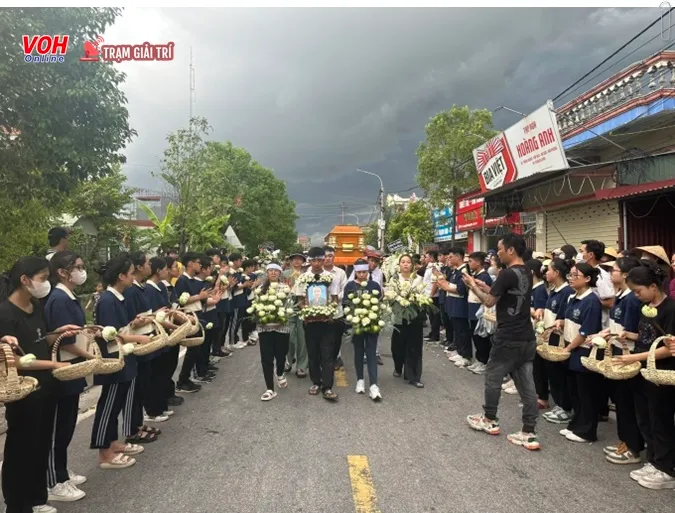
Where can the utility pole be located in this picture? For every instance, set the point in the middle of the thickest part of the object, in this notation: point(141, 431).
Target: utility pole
point(193, 90)
point(380, 221)
point(343, 209)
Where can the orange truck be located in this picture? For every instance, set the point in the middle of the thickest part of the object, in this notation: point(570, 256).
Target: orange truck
point(349, 243)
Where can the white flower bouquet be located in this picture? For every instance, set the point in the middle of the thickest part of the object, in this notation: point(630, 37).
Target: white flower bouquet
point(305, 279)
point(318, 313)
point(366, 311)
point(273, 306)
point(407, 300)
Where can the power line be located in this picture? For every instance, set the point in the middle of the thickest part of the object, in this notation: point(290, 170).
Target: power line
point(614, 53)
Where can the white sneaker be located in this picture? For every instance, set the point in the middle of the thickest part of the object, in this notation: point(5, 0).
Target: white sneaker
point(168, 413)
point(360, 387)
point(44, 508)
point(657, 480)
point(375, 394)
point(229, 347)
point(508, 384)
point(65, 492)
point(565, 432)
point(479, 368)
point(462, 362)
point(638, 474)
point(575, 438)
point(454, 357)
point(240, 345)
point(254, 336)
point(76, 479)
point(511, 390)
point(158, 418)
point(471, 367)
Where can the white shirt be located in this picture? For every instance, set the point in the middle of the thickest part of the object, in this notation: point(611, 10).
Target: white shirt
point(340, 279)
point(604, 290)
point(428, 280)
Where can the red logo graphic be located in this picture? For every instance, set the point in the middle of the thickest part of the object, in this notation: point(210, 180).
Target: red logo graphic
point(494, 163)
point(95, 51)
point(91, 50)
point(48, 48)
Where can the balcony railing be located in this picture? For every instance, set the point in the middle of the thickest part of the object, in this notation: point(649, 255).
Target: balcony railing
point(635, 82)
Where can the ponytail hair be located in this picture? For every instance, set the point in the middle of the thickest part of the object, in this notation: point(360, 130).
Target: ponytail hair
point(561, 266)
point(24, 266)
point(157, 264)
point(646, 274)
point(588, 271)
point(110, 271)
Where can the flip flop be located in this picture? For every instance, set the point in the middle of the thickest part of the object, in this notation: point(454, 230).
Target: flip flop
point(151, 430)
point(119, 461)
point(268, 396)
point(314, 390)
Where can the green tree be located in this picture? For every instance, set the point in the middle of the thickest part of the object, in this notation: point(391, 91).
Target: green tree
point(414, 221)
point(162, 235)
point(445, 167)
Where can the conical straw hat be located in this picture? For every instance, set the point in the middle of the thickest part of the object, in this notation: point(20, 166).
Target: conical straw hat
point(656, 251)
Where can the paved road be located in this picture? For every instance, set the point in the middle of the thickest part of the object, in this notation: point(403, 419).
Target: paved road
point(226, 451)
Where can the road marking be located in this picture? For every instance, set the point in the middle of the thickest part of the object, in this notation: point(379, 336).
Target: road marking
point(341, 378)
point(363, 489)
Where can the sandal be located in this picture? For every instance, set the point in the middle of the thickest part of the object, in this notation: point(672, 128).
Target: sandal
point(252, 342)
point(300, 373)
point(282, 381)
point(287, 367)
point(138, 438)
point(268, 396)
point(151, 430)
point(119, 461)
point(397, 374)
point(132, 449)
point(330, 395)
point(314, 390)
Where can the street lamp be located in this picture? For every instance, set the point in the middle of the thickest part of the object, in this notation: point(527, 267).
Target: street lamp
point(380, 223)
point(358, 222)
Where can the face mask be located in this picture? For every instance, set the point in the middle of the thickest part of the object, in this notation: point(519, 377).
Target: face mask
point(579, 258)
point(78, 277)
point(40, 289)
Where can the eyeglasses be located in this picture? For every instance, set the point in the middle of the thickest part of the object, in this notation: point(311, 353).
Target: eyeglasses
point(573, 276)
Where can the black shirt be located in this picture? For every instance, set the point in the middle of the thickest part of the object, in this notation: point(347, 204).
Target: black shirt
point(513, 288)
point(648, 331)
point(28, 330)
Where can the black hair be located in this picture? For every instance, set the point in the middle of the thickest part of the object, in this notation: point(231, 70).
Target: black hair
point(157, 264)
point(535, 267)
point(169, 261)
point(625, 264)
point(416, 258)
point(235, 256)
point(111, 270)
point(56, 234)
point(646, 274)
point(61, 260)
point(527, 256)
point(329, 249)
point(562, 266)
point(445, 252)
point(138, 258)
point(589, 271)
point(211, 252)
point(248, 263)
point(458, 250)
point(596, 247)
point(478, 255)
point(361, 261)
point(190, 256)
point(515, 241)
point(569, 251)
point(26, 265)
point(204, 261)
point(433, 254)
point(634, 252)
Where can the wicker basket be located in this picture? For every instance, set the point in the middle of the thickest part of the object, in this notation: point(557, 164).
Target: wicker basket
point(651, 373)
point(183, 329)
point(554, 353)
point(591, 361)
point(193, 341)
point(542, 338)
point(194, 324)
point(81, 369)
point(157, 342)
point(112, 365)
point(619, 372)
point(12, 386)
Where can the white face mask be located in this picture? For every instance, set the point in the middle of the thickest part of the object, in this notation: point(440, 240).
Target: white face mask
point(40, 289)
point(78, 277)
point(579, 258)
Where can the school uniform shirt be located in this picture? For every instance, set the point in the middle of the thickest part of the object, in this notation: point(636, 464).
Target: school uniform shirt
point(625, 316)
point(556, 304)
point(456, 303)
point(64, 308)
point(513, 288)
point(137, 303)
point(30, 330)
point(171, 292)
point(604, 290)
point(50, 254)
point(539, 295)
point(583, 316)
point(239, 294)
point(158, 297)
point(472, 299)
point(210, 312)
point(191, 286)
point(111, 311)
point(648, 332)
point(447, 272)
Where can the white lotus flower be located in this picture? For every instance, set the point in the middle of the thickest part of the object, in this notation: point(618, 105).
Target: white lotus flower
point(274, 285)
point(264, 297)
point(209, 279)
point(209, 326)
point(349, 318)
point(347, 309)
point(289, 311)
point(272, 297)
point(599, 342)
point(365, 321)
point(160, 316)
point(365, 296)
point(184, 298)
point(374, 301)
point(127, 349)
point(364, 284)
point(372, 316)
point(281, 295)
point(109, 333)
point(224, 279)
point(376, 292)
point(27, 360)
point(356, 301)
point(366, 302)
point(380, 324)
point(278, 302)
point(405, 302)
point(250, 310)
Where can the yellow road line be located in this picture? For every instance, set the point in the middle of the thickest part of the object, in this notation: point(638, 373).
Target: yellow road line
point(363, 489)
point(341, 378)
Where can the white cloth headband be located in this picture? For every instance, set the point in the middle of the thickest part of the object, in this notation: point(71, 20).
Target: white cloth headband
point(361, 267)
point(274, 266)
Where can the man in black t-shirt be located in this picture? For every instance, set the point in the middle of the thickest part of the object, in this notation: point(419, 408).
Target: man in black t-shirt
point(513, 342)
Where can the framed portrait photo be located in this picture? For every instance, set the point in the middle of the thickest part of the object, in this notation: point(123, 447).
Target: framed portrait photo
point(317, 294)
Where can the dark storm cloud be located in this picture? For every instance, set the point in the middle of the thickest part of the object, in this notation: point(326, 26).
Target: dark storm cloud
point(316, 93)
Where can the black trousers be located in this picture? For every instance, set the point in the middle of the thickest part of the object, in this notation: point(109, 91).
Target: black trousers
point(273, 348)
point(435, 322)
point(406, 349)
point(319, 337)
point(227, 321)
point(462, 336)
point(133, 406)
point(338, 331)
point(585, 394)
point(655, 410)
point(155, 400)
point(65, 420)
point(108, 409)
point(241, 320)
point(482, 344)
point(626, 420)
point(30, 424)
point(558, 375)
point(172, 365)
point(189, 361)
point(447, 324)
point(540, 377)
point(210, 338)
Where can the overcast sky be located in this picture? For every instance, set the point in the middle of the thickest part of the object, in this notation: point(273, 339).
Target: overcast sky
point(316, 93)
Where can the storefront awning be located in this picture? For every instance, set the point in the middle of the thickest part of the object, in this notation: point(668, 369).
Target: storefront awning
point(627, 191)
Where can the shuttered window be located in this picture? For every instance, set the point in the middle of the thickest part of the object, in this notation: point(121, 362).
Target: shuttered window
point(598, 220)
